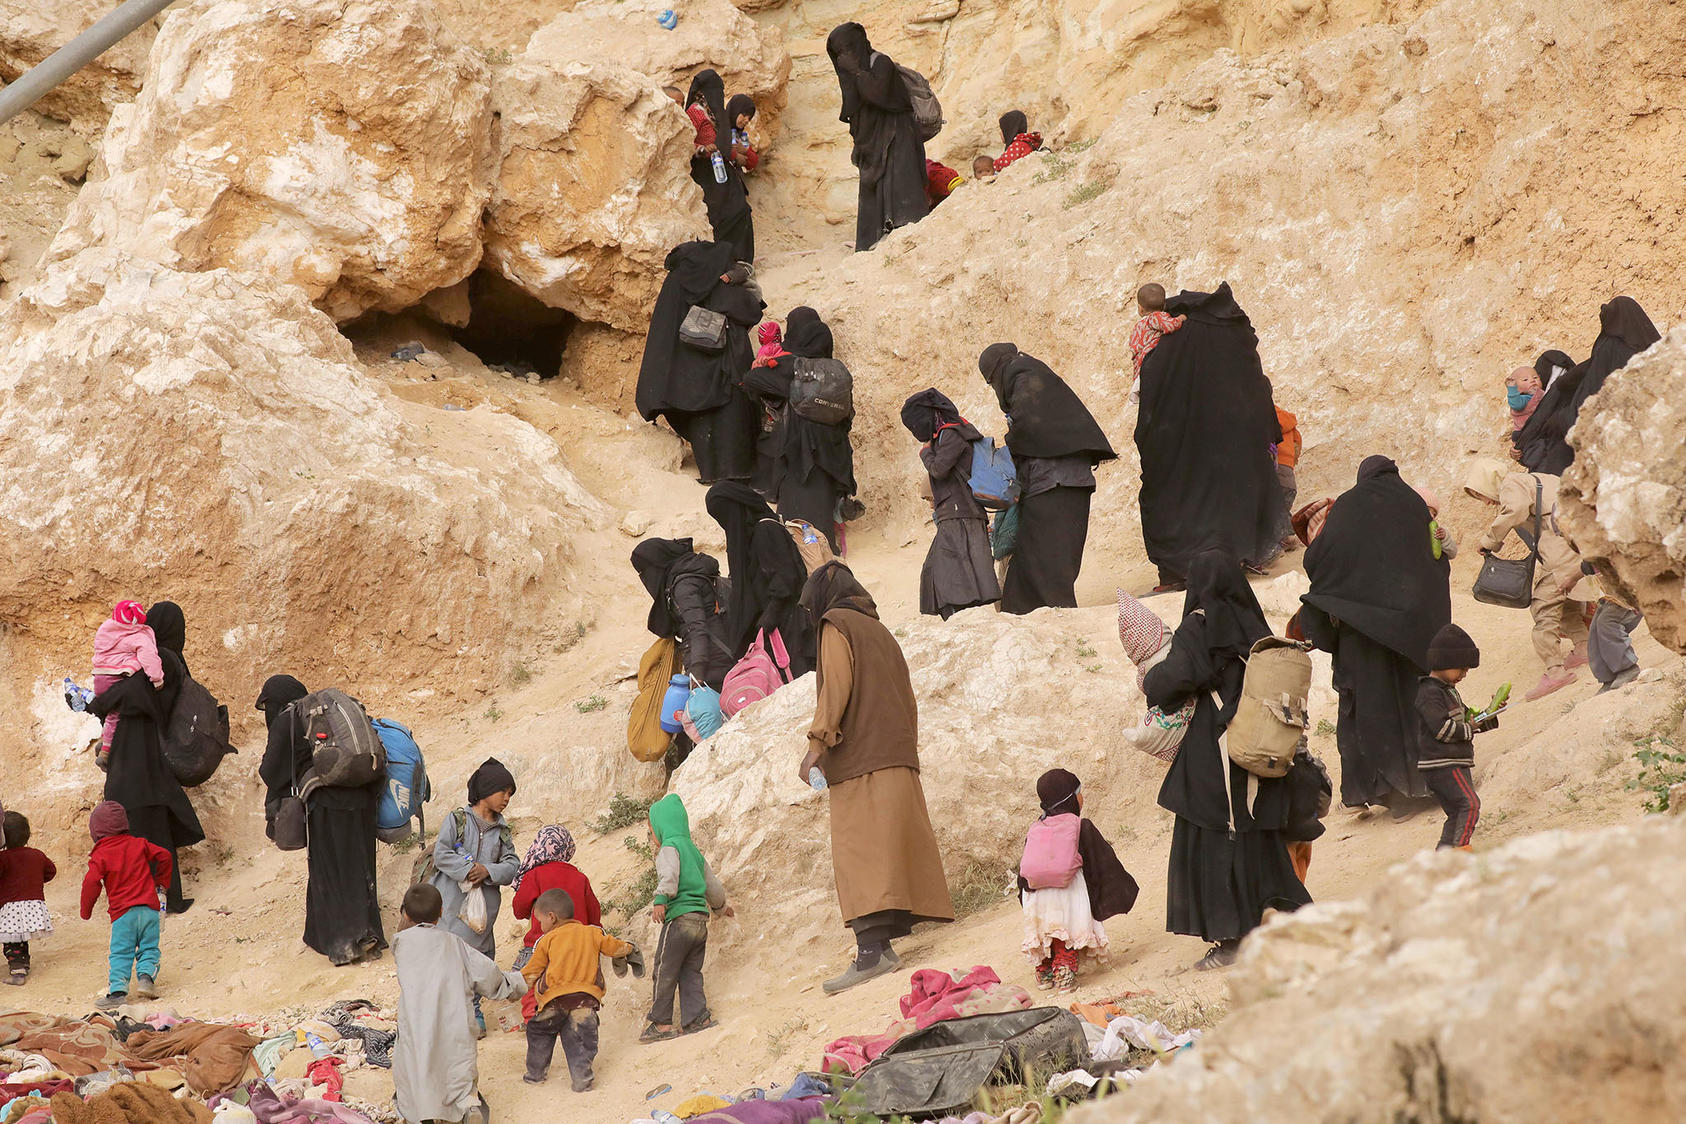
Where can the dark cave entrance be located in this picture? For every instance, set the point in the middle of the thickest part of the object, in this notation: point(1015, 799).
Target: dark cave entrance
point(512, 330)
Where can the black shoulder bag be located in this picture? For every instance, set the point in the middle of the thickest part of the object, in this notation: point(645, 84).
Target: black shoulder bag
point(1510, 581)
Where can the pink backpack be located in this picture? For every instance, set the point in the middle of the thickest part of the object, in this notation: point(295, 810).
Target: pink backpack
point(1050, 858)
point(757, 675)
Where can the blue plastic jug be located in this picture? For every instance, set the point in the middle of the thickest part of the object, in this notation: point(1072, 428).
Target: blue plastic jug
point(678, 694)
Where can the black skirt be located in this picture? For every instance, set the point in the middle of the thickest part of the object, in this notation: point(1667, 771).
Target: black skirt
point(1376, 723)
point(722, 440)
point(959, 572)
point(1218, 887)
point(1053, 527)
point(342, 913)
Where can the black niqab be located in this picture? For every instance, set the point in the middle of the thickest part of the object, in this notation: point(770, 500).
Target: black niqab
point(708, 87)
point(169, 627)
point(1543, 440)
point(678, 379)
point(929, 410)
point(1551, 364)
point(834, 586)
point(850, 39)
point(278, 693)
point(653, 559)
point(887, 147)
point(1204, 432)
point(1372, 568)
point(1625, 331)
point(766, 569)
point(806, 335)
point(1045, 416)
point(1218, 588)
point(1012, 124)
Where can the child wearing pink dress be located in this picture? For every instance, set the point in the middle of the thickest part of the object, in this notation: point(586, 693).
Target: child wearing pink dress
point(122, 646)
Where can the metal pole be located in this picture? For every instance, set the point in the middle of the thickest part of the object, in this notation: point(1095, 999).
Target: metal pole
point(40, 79)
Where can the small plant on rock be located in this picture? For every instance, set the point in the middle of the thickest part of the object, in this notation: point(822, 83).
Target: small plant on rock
point(591, 705)
point(623, 811)
point(1661, 767)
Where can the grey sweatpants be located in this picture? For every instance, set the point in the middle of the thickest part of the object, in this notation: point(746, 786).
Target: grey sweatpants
point(1609, 646)
point(678, 968)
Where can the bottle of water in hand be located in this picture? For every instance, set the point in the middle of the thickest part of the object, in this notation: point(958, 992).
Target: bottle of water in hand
point(719, 166)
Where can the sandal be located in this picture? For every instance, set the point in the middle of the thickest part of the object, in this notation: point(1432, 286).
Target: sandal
point(707, 1022)
point(652, 1033)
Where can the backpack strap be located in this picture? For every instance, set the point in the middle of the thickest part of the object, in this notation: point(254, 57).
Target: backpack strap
point(781, 656)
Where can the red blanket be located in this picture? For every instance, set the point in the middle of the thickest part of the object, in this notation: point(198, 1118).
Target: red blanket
point(934, 997)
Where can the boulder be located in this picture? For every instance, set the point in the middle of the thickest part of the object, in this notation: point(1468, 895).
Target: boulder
point(750, 57)
point(1539, 981)
point(346, 150)
point(30, 30)
point(211, 437)
point(1624, 498)
point(593, 188)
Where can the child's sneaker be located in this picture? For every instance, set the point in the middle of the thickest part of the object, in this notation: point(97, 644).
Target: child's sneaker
point(18, 977)
point(112, 1001)
point(1065, 980)
point(146, 987)
point(1045, 977)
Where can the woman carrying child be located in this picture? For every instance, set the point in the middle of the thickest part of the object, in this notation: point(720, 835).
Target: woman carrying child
point(727, 200)
point(1063, 920)
point(24, 873)
point(1228, 860)
point(959, 571)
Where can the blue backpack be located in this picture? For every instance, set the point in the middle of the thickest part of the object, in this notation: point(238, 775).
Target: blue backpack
point(406, 786)
point(995, 483)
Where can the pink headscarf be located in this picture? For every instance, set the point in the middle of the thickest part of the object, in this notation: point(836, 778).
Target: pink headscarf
point(129, 612)
point(771, 338)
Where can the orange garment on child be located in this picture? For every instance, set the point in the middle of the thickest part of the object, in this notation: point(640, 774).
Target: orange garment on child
point(567, 960)
point(1288, 452)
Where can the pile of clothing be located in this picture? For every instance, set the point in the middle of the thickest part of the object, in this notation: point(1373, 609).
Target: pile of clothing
point(111, 1069)
point(933, 997)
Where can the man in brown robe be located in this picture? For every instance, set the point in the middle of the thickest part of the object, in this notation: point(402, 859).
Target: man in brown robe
point(865, 741)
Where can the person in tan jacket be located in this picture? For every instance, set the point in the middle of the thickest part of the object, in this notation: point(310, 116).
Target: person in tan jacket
point(1560, 603)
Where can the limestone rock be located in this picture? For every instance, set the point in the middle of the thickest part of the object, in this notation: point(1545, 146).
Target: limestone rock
point(1535, 982)
point(750, 57)
point(1624, 498)
point(30, 30)
point(346, 150)
point(211, 436)
point(593, 188)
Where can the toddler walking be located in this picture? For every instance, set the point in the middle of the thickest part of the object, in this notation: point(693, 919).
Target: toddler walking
point(1070, 880)
point(123, 645)
point(24, 873)
point(134, 872)
point(565, 975)
point(686, 890)
point(1446, 734)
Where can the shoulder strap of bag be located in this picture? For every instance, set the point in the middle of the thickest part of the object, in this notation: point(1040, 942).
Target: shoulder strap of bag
point(1533, 544)
point(781, 655)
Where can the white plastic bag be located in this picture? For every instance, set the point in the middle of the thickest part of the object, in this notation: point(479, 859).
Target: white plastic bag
point(473, 911)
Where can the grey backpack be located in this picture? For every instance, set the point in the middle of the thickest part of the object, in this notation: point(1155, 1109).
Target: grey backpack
point(822, 390)
point(927, 110)
point(345, 750)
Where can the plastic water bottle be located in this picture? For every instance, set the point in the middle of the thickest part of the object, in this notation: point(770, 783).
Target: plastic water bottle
point(73, 697)
point(662, 1116)
point(816, 778)
point(719, 166)
point(317, 1046)
point(668, 18)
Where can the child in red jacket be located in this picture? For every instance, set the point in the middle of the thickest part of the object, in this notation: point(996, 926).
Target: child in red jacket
point(24, 873)
point(134, 872)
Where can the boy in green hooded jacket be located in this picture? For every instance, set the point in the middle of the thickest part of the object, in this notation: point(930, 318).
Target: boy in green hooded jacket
point(686, 891)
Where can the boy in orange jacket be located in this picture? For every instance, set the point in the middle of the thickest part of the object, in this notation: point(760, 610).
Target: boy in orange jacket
point(566, 977)
point(133, 872)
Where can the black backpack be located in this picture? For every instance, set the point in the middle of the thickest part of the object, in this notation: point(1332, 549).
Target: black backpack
point(822, 390)
point(195, 739)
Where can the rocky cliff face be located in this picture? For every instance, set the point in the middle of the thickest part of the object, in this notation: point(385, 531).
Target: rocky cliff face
point(1488, 989)
point(1624, 498)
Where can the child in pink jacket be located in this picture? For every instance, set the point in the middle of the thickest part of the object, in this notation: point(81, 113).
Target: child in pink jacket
point(122, 646)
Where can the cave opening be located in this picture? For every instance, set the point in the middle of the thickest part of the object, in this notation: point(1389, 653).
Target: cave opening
point(509, 328)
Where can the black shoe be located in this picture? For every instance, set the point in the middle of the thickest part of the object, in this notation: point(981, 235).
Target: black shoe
point(178, 905)
point(112, 1001)
point(1219, 956)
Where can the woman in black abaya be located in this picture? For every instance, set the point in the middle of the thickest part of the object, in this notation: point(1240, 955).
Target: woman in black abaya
point(139, 777)
point(1055, 443)
point(1204, 432)
point(1228, 861)
point(1624, 331)
point(959, 571)
point(696, 390)
point(684, 590)
point(1378, 596)
point(728, 203)
point(814, 467)
point(342, 915)
point(887, 148)
point(767, 575)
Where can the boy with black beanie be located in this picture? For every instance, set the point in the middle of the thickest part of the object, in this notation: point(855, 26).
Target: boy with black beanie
point(1446, 742)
